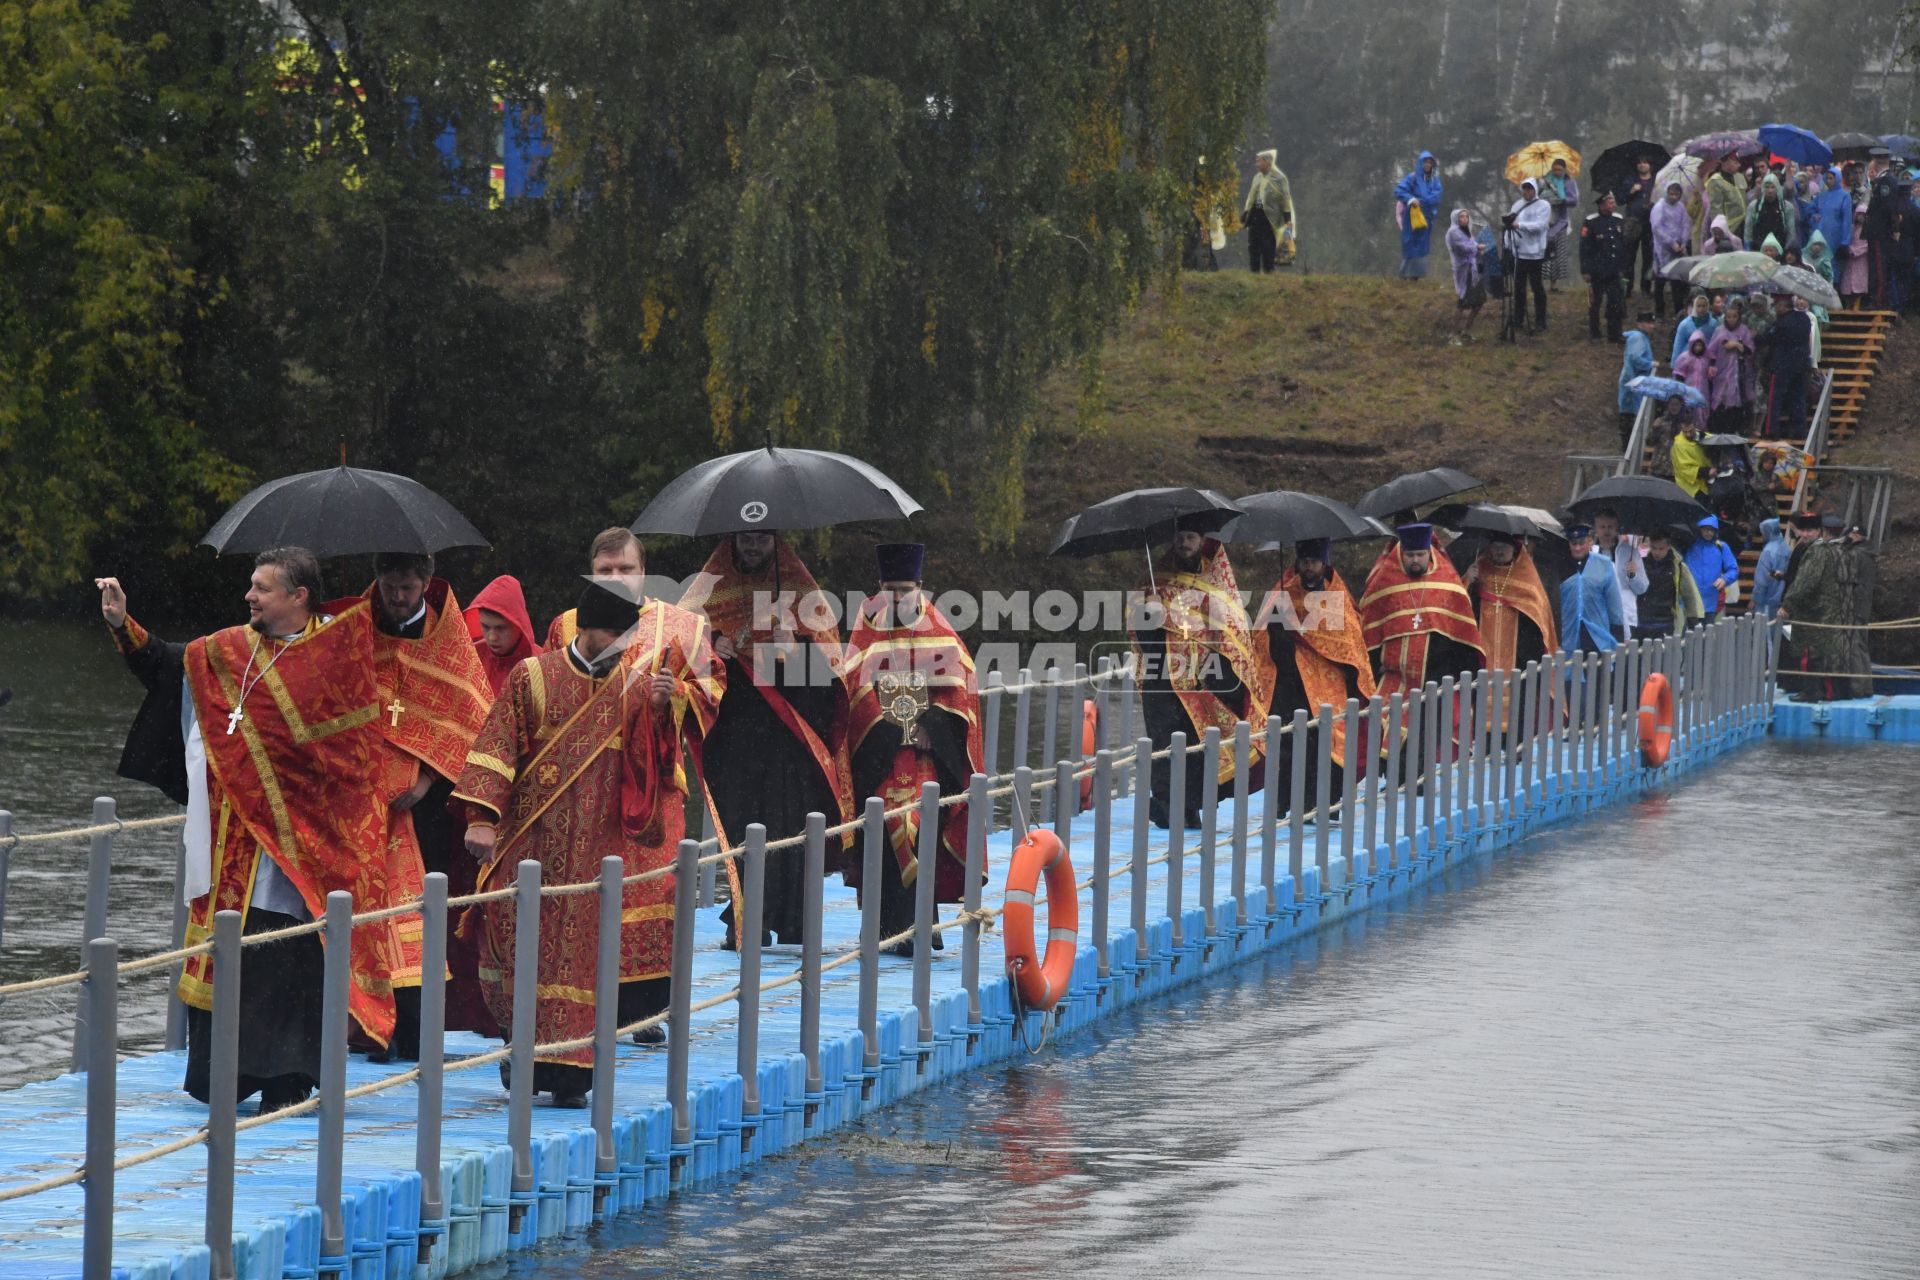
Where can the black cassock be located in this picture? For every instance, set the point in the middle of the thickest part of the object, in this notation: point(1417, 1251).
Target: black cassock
point(1166, 715)
point(756, 770)
point(872, 764)
point(280, 982)
point(1290, 695)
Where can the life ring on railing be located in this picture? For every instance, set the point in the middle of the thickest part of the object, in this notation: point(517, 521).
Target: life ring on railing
point(1089, 743)
point(1041, 983)
point(1656, 721)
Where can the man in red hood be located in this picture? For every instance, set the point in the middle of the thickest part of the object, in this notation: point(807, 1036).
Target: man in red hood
point(501, 628)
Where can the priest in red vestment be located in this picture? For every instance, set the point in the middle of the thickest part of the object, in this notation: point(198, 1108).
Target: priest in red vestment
point(915, 719)
point(1516, 617)
point(1196, 664)
point(778, 749)
point(1309, 628)
point(1417, 616)
point(581, 758)
point(267, 733)
point(501, 629)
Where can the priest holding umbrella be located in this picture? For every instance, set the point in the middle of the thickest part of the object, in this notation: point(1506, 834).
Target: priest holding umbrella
point(1417, 615)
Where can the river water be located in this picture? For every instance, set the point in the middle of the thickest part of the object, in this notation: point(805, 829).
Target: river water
point(1681, 1038)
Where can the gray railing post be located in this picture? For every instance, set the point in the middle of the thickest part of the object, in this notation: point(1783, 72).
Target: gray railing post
point(6, 859)
point(1022, 807)
point(333, 1074)
point(1050, 729)
point(1349, 782)
point(223, 1086)
point(433, 1048)
point(686, 884)
point(928, 855)
point(746, 1041)
point(1023, 719)
point(1270, 809)
point(1467, 741)
point(1209, 824)
point(1297, 803)
point(1390, 778)
point(708, 873)
point(99, 871)
point(977, 810)
point(1444, 725)
point(1137, 869)
point(102, 994)
point(1242, 784)
point(1413, 767)
point(1474, 717)
point(175, 1036)
point(606, 1021)
point(1176, 836)
point(1102, 856)
point(1431, 718)
point(873, 847)
point(1076, 738)
point(1130, 777)
point(990, 701)
point(1529, 707)
point(526, 1004)
point(1370, 833)
point(1323, 794)
point(813, 921)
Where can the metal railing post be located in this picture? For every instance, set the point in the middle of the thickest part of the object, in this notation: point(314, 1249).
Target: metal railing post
point(1390, 779)
point(873, 848)
point(928, 855)
point(6, 860)
point(686, 884)
point(1413, 769)
point(1349, 781)
point(1209, 824)
point(1131, 775)
point(1297, 804)
point(1323, 793)
point(333, 1074)
point(746, 1042)
point(1444, 725)
point(812, 914)
point(1242, 780)
point(1176, 835)
point(526, 1004)
point(977, 808)
point(1137, 869)
point(1050, 727)
point(102, 995)
point(433, 1048)
point(1023, 719)
point(99, 871)
point(1370, 834)
point(175, 1036)
point(990, 701)
point(223, 1087)
point(1102, 855)
point(606, 1019)
point(1270, 809)
point(708, 873)
point(1430, 714)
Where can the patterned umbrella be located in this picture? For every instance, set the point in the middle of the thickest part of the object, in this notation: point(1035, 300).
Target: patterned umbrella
point(1536, 158)
point(1685, 170)
point(1737, 270)
point(1739, 142)
point(1802, 283)
point(1791, 142)
point(1665, 389)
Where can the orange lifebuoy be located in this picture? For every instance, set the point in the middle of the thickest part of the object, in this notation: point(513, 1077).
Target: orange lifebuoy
point(1656, 721)
point(1041, 983)
point(1089, 743)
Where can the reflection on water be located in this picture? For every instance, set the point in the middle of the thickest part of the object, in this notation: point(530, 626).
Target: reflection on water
point(1681, 1039)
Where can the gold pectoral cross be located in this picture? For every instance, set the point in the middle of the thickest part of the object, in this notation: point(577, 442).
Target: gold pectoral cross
point(394, 709)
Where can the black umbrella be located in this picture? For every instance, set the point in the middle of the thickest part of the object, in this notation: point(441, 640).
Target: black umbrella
point(343, 511)
point(1614, 170)
point(1852, 140)
point(1641, 502)
point(1140, 517)
point(1415, 490)
point(774, 488)
point(1288, 516)
point(1487, 518)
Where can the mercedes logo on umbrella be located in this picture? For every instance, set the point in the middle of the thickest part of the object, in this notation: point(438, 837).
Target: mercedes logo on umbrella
point(754, 512)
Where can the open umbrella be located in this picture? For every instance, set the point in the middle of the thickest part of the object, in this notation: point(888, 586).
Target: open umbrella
point(1802, 283)
point(1140, 517)
point(1685, 170)
point(1740, 269)
point(1416, 489)
point(1711, 146)
point(1791, 142)
point(1536, 158)
point(1288, 516)
point(1641, 502)
point(342, 511)
point(1904, 145)
point(1852, 141)
point(773, 488)
point(1488, 517)
point(1615, 167)
point(1682, 268)
point(1665, 389)
point(1723, 440)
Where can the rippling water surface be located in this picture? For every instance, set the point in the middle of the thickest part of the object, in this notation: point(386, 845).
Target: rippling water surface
point(1681, 1039)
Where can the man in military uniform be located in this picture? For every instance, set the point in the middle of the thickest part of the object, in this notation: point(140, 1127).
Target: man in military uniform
point(1603, 258)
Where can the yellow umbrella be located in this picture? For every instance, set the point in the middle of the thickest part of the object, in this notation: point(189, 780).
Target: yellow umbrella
point(1536, 158)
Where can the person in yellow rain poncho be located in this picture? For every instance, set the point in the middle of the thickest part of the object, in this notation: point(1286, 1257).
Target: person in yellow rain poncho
point(1268, 215)
point(1691, 466)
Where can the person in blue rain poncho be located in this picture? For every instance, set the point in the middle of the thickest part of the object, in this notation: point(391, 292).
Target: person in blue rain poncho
point(1713, 566)
point(1416, 206)
point(1636, 360)
point(1770, 574)
point(1591, 619)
